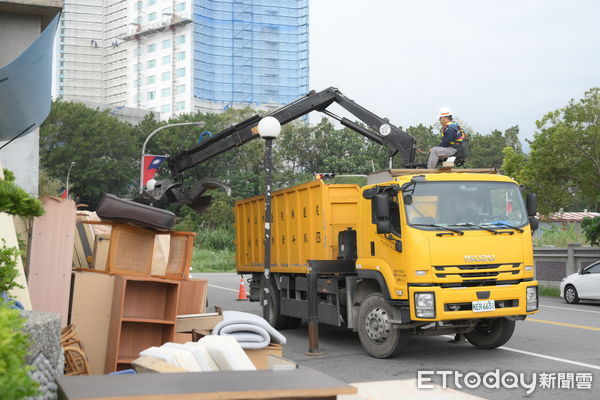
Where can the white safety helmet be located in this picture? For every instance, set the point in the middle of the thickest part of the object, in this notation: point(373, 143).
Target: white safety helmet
point(445, 112)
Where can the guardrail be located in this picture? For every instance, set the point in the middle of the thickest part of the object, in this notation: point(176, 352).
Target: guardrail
point(554, 263)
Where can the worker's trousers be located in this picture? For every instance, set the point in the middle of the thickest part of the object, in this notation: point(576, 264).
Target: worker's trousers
point(438, 152)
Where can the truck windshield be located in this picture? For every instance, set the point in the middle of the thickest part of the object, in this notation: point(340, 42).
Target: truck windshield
point(466, 204)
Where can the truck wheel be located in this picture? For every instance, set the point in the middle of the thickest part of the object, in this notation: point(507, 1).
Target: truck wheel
point(377, 335)
point(491, 333)
point(571, 295)
point(276, 320)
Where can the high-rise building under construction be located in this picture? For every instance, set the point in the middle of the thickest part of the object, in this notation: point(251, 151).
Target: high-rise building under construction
point(175, 56)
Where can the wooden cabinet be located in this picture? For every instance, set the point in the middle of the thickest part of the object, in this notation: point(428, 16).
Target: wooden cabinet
point(143, 314)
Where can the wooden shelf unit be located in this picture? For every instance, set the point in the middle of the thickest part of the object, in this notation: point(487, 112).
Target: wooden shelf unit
point(143, 314)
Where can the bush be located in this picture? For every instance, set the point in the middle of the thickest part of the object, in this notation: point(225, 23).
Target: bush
point(215, 239)
point(591, 230)
point(15, 382)
point(8, 267)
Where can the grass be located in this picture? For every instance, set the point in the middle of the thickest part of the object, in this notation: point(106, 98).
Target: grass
point(560, 236)
point(209, 260)
point(550, 291)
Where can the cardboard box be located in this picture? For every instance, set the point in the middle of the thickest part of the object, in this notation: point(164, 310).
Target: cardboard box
point(260, 357)
point(200, 322)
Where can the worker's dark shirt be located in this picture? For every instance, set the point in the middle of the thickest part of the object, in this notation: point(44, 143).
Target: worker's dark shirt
point(451, 136)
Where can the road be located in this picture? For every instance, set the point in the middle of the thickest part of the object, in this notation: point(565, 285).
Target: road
point(561, 338)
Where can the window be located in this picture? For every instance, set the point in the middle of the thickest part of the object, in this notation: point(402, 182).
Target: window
point(138, 5)
point(180, 39)
point(151, 80)
point(180, 105)
point(181, 56)
point(151, 2)
point(180, 73)
point(463, 204)
point(166, 44)
point(137, 67)
point(180, 89)
point(137, 52)
point(165, 108)
point(166, 92)
point(137, 20)
point(180, 6)
point(136, 83)
point(152, 16)
point(151, 63)
point(152, 48)
point(166, 60)
point(167, 11)
point(151, 95)
point(595, 269)
point(165, 76)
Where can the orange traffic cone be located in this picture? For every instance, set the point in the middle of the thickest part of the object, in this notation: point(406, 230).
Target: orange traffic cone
point(242, 292)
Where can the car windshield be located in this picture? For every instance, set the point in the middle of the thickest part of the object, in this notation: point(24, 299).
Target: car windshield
point(465, 204)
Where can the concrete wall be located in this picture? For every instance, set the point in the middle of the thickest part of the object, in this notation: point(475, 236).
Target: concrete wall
point(554, 263)
point(17, 32)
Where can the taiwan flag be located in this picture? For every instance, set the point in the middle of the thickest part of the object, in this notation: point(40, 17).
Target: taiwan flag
point(151, 164)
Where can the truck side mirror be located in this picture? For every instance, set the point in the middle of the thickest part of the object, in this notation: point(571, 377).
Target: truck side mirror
point(531, 204)
point(533, 223)
point(370, 193)
point(381, 203)
point(384, 226)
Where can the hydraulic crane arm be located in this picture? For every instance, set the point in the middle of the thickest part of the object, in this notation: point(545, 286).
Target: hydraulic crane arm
point(381, 131)
point(378, 129)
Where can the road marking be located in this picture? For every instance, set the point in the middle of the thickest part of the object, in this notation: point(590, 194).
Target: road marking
point(571, 309)
point(224, 288)
point(564, 360)
point(591, 328)
point(529, 353)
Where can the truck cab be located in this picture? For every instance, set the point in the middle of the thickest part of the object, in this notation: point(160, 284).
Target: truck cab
point(450, 252)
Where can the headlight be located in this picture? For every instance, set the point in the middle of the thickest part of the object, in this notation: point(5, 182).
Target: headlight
point(425, 304)
point(532, 298)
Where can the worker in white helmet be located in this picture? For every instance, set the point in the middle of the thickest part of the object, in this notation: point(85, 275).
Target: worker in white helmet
point(452, 138)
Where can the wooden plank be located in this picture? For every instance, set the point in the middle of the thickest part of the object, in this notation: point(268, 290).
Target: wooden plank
point(192, 296)
point(229, 385)
point(90, 313)
point(101, 246)
point(52, 256)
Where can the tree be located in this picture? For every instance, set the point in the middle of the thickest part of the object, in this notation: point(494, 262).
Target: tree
point(563, 167)
point(486, 151)
point(591, 230)
point(106, 151)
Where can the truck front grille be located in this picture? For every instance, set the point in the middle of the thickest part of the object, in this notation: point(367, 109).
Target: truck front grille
point(468, 273)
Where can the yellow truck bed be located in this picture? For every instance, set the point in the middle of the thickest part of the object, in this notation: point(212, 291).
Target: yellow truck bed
point(306, 220)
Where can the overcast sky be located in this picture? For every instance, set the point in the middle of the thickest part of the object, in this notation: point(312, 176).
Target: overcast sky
point(494, 63)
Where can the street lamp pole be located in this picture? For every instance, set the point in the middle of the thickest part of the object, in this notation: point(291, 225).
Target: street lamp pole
point(268, 129)
point(199, 124)
point(68, 174)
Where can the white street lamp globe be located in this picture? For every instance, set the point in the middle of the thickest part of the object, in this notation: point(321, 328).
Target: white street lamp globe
point(269, 128)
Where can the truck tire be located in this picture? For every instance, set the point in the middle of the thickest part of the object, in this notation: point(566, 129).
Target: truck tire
point(491, 333)
point(276, 320)
point(378, 337)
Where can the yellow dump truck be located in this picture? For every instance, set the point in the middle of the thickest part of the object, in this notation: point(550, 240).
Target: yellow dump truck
point(416, 253)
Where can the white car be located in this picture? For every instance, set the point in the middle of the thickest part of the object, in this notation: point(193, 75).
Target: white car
point(584, 284)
